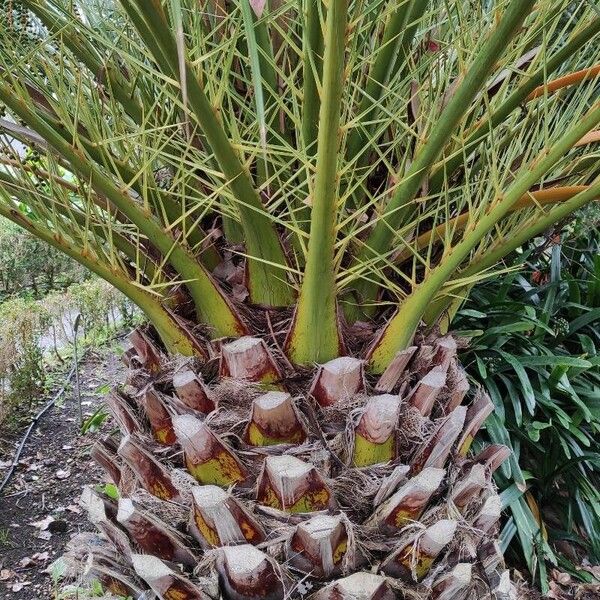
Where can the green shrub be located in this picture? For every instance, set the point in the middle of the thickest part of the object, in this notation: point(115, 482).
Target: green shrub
point(97, 302)
point(31, 327)
point(537, 356)
point(24, 321)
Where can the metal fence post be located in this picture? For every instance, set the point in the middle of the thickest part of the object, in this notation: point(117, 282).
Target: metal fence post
point(77, 388)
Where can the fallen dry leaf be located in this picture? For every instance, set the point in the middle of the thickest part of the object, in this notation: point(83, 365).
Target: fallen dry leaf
point(6, 574)
point(26, 563)
point(43, 524)
point(560, 577)
point(41, 556)
point(555, 592)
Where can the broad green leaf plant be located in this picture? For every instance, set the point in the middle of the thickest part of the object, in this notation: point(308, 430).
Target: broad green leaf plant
point(535, 352)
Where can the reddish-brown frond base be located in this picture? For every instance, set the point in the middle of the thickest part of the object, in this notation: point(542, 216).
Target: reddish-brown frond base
point(249, 481)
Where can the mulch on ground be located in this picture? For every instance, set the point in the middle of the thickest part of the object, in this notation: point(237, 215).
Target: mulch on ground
point(39, 510)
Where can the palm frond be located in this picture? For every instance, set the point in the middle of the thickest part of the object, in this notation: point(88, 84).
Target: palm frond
point(175, 126)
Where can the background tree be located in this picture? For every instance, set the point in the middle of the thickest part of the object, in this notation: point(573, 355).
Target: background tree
point(29, 265)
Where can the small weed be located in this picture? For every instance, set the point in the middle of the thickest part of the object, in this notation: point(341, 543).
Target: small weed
point(5, 540)
point(110, 489)
point(94, 422)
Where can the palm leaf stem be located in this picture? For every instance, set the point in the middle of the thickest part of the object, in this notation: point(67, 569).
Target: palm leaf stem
point(84, 50)
point(210, 303)
point(516, 99)
point(123, 92)
point(457, 224)
point(266, 274)
point(144, 263)
point(395, 44)
point(264, 82)
point(575, 78)
point(312, 70)
point(173, 336)
point(314, 335)
point(163, 205)
point(399, 206)
point(395, 47)
point(399, 332)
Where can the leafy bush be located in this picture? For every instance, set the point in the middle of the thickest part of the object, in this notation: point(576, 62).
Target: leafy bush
point(97, 302)
point(31, 327)
point(537, 355)
point(21, 372)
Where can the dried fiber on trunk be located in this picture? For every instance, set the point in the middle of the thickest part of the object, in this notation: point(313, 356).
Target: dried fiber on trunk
point(282, 488)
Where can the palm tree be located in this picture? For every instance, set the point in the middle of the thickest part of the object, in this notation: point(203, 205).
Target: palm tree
point(298, 196)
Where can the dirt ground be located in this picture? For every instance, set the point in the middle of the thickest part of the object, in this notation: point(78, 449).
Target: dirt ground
point(39, 509)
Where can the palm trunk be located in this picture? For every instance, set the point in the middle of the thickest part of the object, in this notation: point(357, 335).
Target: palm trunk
point(292, 481)
point(291, 452)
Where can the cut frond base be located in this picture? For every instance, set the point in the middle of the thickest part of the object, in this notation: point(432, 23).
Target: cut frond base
point(280, 494)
